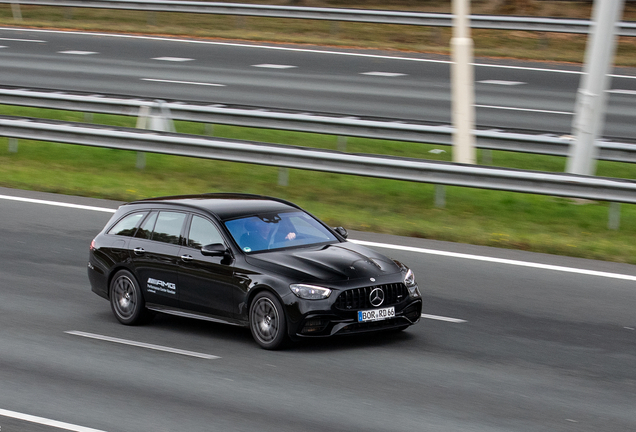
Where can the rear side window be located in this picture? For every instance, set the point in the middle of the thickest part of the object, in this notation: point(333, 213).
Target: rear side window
point(168, 227)
point(127, 225)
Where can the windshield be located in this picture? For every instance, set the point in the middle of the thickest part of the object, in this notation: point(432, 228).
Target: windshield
point(275, 231)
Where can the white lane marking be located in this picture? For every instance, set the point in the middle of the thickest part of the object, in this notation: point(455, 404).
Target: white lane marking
point(499, 260)
point(625, 92)
point(173, 59)
point(502, 82)
point(23, 40)
point(3, 46)
point(46, 422)
point(274, 66)
point(183, 82)
point(390, 246)
point(443, 318)
point(143, 345)
point(524, 109)
point(383, 74)
point(536, 69)
point(314, 51)
point(58, 204)
point(74, 52)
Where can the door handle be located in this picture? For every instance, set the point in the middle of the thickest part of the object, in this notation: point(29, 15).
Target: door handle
point(139, 251)
point(187, 258)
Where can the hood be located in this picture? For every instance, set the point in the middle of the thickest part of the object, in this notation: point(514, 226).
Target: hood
point(335, 262)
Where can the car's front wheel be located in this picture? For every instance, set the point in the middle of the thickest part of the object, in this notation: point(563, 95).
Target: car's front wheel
point(267, 321)
point(126, 300)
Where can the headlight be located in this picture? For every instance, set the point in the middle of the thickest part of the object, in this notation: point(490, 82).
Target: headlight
point(409, 281)
point(310, 292)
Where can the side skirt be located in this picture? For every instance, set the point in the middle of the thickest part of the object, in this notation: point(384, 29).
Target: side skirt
point(179, 312)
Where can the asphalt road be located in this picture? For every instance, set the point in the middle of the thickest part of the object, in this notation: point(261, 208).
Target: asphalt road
point(537, 348)
point(514, 95)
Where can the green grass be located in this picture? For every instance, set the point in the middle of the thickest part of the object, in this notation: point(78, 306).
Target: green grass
point(501, 219)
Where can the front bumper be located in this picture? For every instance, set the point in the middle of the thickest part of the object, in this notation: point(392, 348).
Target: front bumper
point(332, 322)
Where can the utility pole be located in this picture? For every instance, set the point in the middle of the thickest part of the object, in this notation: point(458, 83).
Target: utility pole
point(463, 85)
point(591, 100)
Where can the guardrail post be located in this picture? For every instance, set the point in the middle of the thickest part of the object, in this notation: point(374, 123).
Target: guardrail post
point(13, 145)
point(440, 196)
point(17, 13)
point(283, 176)
point(342, 143)
point(614, 220)
point(152, 18)
point(141, 160)
point(88, 117)
point(486, 157)
point(68, 13)
point(142, 123)
point(334, 29)
point(209, 129)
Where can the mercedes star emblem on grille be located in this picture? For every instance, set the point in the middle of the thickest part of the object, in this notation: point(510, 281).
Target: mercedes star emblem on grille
point(376, 297)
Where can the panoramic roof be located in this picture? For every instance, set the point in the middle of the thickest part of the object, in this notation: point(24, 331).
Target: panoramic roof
point(225, 205)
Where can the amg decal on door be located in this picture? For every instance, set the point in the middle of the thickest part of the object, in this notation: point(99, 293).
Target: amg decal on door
point(155, 285)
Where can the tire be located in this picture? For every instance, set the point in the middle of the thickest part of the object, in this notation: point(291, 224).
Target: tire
point(126, 299)
point(267, 321)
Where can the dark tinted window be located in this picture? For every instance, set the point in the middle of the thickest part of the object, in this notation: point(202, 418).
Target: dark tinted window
point(168, 227)
point(203, 232)
point(127, 225)
point(146, 228)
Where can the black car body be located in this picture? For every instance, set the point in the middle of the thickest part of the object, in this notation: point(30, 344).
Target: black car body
point(203, 256)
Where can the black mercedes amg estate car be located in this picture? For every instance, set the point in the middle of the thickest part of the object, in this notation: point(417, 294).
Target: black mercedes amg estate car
point(247, 260)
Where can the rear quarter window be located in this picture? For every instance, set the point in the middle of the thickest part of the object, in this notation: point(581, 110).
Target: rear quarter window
point(127, 225)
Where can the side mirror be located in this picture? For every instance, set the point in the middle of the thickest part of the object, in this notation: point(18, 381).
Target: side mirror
point(342, 232)
point(215, 249)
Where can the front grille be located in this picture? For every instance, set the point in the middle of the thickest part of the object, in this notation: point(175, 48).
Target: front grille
point(358, 298)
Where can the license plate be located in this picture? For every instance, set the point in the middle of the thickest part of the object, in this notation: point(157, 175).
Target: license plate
point(376, 314)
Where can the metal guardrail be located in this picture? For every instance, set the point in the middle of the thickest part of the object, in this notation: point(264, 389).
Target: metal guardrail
point(334, 14)
point(565, 185)
point(323, 124)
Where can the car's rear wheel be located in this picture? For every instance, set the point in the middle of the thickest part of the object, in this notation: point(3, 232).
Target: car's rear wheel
point(267, 321)
point(126, 299)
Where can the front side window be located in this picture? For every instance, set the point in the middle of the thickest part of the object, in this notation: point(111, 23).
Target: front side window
point(168, 227)
point(202, 233)
point(275, 231)
point(127, 225)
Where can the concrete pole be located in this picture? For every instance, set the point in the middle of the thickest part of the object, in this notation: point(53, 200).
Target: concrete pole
point(591, 100)
point(463, 85)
